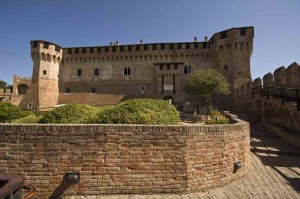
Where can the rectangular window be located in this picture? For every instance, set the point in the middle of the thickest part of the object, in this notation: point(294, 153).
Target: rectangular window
point(129, 48)
point(114, 48)
point(91, 50)
point(76, 50)
point(46, 45)
point(168, 66)
point(161, 67)
point(204, 45)
point(171, 46)
point(196, 45)
point(162, 46)
point(175, 66)
point(99, 50)
point(153, 46)
point(127, 71)
point(145, 47)
point(137, 48)
point(83, 50)
point(179, 46)
point(69, 50)
point(121, 48)
point(187, 46)
point(106, 49)
point(223, 35)
point(35, 44)
point(57, 49)
point(242, 31)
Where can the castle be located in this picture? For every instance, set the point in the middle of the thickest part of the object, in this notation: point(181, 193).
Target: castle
point(105, 75)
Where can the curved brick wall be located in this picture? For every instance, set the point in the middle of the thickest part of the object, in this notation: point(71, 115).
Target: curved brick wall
point(123, 159)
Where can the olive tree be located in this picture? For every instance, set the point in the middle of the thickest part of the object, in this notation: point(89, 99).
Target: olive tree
point(206, 82)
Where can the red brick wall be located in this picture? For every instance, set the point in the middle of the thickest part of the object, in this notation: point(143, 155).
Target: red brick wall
point(122, 159)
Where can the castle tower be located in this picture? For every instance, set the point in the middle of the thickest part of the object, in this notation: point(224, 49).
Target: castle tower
point(43, 92)
point(233, 50)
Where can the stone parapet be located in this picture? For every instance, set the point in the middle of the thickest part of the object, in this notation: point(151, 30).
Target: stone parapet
point(125, 159)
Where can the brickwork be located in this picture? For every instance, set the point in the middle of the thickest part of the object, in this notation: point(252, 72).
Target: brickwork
point(125, 159)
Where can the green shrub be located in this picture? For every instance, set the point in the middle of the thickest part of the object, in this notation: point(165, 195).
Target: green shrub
point(33, 119)
point(71, 114)
point(216, 118)
point(140, 111)
point(8, 112)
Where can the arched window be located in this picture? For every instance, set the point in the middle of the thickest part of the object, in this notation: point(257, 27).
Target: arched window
point(96, 73)
point(225, 67)
point(79, 72)
point(44, 72)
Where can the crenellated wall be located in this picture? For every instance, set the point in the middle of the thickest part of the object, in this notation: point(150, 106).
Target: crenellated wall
point(125, 159)
point(263, 103)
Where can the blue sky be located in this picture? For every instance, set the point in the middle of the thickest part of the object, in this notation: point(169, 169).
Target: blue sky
point(98, 22)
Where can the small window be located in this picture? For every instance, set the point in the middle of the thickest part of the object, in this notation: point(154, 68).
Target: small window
point(29, 106)
point(162, 46)
point(57, 49)
point(69, 50)
point(93, 90)
point(129, 48)
point(204, 45)
point(106, 49)
point(98, 49)
point(161, 67)
point(83, 50)
point(187, 70)
point(171, 46)
point(114, 48)
point(35, 44)
point(137, 48)
point(196, 45)
point(179, 46)
point(79, 72)
point(44, 72)
point(46, 45)
point(223, 35)
point(225, 67)
point(121, 48)
point(145, 47)
point(76, 50)
point(91, 50)
point(175, 66)
point(67, 90)
point(142, 88)
point(96, 72)
point(127, 71)
point(187, 46)
point(168, 66)
point(154, 47)
point(242, 31)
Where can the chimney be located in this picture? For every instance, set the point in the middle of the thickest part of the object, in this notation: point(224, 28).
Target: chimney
point(205, 38)
point(141, 42)
point(195, 39)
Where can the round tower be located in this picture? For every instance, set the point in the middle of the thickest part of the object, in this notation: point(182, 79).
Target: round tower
point(43, 92)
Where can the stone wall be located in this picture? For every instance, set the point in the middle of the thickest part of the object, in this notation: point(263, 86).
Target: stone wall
point(125, 159)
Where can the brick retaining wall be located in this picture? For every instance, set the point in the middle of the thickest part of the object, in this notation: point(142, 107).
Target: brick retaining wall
point(125, 159)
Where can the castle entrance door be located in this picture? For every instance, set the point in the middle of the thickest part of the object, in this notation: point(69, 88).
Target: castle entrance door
point(169, 98)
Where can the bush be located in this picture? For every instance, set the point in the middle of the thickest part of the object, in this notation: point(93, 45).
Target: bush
point(8, 112)
point(71, 114)
point(140, 111)
point(216, 118)
point(33, 119)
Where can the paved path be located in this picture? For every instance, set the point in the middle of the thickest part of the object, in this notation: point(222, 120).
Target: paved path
point(274, 173)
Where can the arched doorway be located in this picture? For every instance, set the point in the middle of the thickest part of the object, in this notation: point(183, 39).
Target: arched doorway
point(169, 99)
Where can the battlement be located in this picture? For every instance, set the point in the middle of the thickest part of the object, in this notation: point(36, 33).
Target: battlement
point(18, 79)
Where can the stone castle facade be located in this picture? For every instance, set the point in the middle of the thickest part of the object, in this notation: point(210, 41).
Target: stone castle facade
point(105, 75)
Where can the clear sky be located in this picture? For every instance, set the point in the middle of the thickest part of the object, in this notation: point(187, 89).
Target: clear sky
point(99, 22)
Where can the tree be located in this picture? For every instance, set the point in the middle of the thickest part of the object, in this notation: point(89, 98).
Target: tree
point(9, 112)
point(3, 84)
point(206, 82)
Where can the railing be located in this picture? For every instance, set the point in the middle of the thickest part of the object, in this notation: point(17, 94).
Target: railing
point(284, 94)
